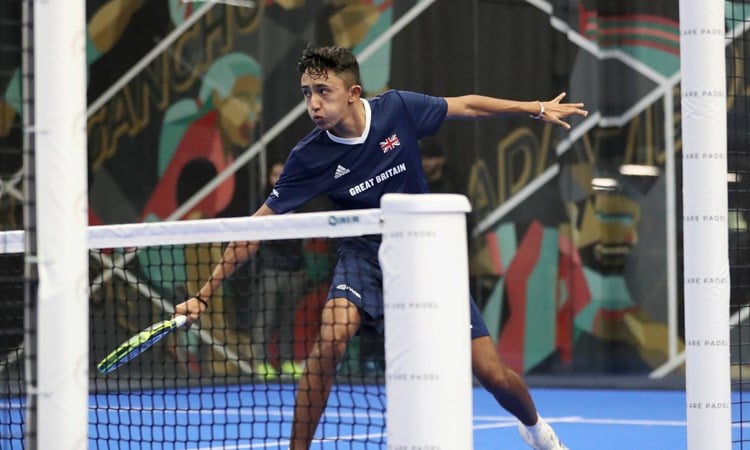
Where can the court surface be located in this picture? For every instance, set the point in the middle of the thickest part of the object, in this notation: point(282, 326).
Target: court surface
point(238, 417)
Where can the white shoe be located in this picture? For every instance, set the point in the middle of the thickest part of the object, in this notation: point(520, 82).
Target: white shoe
point(541, 436)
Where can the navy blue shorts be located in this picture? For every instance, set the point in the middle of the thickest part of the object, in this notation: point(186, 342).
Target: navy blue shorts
point(358, 278)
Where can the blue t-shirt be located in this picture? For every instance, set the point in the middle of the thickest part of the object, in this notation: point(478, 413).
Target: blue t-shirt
point(355, 173)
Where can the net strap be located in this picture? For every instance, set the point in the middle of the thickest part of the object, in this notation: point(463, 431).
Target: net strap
point(288, 226)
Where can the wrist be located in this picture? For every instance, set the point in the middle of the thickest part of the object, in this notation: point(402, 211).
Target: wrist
point(201, 300)
point(540, 114)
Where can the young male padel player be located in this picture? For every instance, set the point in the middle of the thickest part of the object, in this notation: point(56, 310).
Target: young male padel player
point(360, 150)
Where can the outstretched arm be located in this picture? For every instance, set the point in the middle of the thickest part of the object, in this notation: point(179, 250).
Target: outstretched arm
point(477, 106)
point(235, 255)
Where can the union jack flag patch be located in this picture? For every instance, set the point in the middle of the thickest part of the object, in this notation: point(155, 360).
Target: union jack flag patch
point(390, 143)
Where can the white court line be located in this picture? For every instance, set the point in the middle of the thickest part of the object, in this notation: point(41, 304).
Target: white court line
point(496, 422)
point(503, 422)
point(511, 422)
point(252, 412)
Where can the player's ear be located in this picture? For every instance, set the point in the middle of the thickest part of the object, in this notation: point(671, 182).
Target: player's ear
point(355, 92)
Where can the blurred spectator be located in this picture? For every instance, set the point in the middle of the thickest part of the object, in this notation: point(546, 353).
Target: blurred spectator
point(281, 286)
point(439, 177)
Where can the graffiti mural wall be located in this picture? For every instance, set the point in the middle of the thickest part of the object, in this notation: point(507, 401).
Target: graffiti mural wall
point(568, 229)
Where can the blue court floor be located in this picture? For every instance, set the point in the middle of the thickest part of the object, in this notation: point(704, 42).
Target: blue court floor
point(240, 417)
point(591, 419)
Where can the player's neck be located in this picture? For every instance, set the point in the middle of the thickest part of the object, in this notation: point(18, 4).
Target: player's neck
point(353, 125)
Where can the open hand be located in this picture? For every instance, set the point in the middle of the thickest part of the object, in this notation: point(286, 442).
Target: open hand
point(555, 112)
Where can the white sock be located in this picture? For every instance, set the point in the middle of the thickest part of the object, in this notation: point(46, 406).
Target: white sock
point(535, 429)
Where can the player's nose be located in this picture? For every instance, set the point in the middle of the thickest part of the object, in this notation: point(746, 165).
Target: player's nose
point(314, 102)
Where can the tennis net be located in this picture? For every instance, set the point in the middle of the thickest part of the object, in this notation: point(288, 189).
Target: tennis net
point(231, 379)
point(738, 166)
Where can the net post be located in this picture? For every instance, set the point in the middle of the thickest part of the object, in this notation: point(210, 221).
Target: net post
point(705, 207)
point(424, 258)
point(59, 132)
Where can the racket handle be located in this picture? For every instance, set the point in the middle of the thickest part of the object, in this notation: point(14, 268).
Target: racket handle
point(179, 321)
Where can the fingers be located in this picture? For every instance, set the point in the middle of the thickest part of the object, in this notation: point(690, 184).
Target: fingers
point(191, 308)
point(557, 121)
point(578, 107)
point(577, 110)
point(555, 111)
point(555, 116)
point(559, 98)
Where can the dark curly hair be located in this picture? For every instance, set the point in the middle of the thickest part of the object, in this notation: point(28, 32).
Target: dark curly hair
point(318, 61)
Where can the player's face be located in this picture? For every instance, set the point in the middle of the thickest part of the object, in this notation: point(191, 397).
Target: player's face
point(432, 166)
point(327, 98)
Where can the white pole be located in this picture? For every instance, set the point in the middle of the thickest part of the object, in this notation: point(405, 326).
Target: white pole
point(671, 224)
point(704, 156)
point(427, 335)
point(60, 142)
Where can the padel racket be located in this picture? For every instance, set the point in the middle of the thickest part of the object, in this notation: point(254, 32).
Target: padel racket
point(139, 343)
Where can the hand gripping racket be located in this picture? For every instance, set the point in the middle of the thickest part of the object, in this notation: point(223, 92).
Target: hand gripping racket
point(139, 343)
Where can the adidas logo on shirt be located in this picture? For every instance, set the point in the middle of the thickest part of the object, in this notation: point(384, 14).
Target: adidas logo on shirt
point(344, 287)
point(340, 172)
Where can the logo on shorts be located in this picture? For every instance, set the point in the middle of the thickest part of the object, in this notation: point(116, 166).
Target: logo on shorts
point(344, 287)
